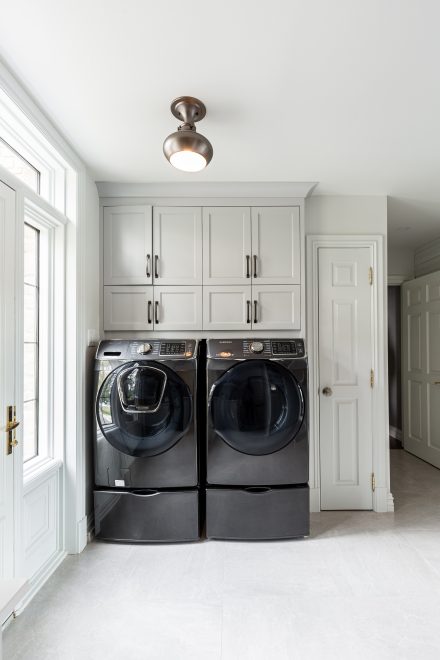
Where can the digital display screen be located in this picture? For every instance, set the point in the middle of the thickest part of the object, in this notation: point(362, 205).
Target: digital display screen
point(287, 348)
point(172, 348)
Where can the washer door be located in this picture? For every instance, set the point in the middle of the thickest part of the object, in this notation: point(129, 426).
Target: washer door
point(143, 409)
point(257, 407)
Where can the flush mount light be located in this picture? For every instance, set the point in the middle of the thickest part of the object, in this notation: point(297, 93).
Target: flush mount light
point(186, 149)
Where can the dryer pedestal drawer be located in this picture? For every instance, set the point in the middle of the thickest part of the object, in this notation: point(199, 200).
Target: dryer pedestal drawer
point(257, 513)
point(143, 516)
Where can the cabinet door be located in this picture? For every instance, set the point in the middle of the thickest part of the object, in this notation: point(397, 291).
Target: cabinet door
point(177, 242)
point(276, 245)
point(276, 307)
point(127, 245)
point(178, 308)
point(226, 245)
point(226, 307)
point(128, 308)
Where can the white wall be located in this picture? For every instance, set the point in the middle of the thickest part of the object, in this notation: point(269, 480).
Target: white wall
point(401, 262)
point(427, 258)
point(91, 326)
point(334, 214)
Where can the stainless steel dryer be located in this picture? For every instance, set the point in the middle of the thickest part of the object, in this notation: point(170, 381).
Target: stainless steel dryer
point(145, 449)
point(257, 451)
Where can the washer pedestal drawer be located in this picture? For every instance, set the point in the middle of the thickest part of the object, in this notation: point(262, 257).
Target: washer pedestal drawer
point(142, 516)
point(257, 513)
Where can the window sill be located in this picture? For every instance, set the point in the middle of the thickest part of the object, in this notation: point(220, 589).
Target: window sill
point(39, 468)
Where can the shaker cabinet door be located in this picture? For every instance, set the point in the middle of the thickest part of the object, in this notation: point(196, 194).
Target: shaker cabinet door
point(128, 308)
point(226, 245)
point(276, 307)
point(127, 245)
point(276, 245)
point(177, 308)
point(177, 242)
point(226, 307)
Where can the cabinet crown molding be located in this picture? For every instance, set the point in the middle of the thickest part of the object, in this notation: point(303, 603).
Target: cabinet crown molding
point(299, 189)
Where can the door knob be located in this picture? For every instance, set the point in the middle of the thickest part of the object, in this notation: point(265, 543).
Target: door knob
point(327, 391)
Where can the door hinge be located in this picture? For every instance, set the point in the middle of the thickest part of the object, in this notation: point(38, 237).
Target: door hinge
point(371, 377)
point(370, 275)
point(373, 482)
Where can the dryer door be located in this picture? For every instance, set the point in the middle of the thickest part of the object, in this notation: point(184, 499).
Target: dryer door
point(143, 409)
point(257, 407)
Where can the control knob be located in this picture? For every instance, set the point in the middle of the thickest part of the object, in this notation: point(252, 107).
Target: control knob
point(144, 348)
point(256, 347)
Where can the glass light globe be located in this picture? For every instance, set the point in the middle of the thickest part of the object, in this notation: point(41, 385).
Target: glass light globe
point(188, 161)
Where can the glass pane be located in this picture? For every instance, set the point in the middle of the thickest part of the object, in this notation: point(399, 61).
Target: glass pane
point(30, 313)
point(30, 430)
point(31, 239)
point(30, 372)
point(19, 166)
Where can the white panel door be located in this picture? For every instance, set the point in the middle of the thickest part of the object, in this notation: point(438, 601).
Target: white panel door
point(421, 367)
point(276, 248)
point(276, 307)
point(7, 375)
point(345, 362)
point(177, 245)
point(226, 245)
point(128, 245)
point(227, 307)
point(128, 308)
point(178, 308)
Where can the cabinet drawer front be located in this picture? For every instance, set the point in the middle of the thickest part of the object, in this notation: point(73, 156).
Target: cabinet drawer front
point(226, 308)
point(178, 308)
point(127, 245)
point(276, 245)
point(276, 307)
point(177, 241)
point(226, 245)
point(126, 307)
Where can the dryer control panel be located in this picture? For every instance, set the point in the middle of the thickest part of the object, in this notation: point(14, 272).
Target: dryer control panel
point(243, 349)
point(153, 349)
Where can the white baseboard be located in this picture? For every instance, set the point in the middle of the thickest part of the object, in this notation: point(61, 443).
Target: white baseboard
point(82, 534)
point(41, 576)
point(383, 501)
point(90, 527)
point(315, 500)
point(395, 433)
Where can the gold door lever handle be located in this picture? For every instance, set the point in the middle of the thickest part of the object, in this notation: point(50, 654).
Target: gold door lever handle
point(10, 426)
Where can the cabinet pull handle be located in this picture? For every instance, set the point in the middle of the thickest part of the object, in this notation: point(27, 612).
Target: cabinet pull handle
point(156, 261)
point(255, 265)
point(148, 265)
point(248, 304)
point(156, 312)
point(255, 311)
point(149, 311)
point(248, 265)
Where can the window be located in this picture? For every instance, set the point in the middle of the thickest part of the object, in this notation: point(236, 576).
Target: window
point(43, 296)
point(31, 341)
point(12, 161)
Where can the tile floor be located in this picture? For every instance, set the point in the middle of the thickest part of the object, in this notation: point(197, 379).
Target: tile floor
point(364, 585)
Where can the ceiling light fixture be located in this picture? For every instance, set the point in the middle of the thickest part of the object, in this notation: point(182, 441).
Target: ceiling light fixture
point(186, 149)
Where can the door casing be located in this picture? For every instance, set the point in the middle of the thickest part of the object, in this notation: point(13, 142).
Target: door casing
point(382, 497)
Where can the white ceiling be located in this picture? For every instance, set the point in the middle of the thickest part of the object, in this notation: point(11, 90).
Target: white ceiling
point(345, 92)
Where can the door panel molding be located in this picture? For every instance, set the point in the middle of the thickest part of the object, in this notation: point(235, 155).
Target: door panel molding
point(382, 497)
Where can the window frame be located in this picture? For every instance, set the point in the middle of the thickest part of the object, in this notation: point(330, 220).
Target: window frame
point(51, 339)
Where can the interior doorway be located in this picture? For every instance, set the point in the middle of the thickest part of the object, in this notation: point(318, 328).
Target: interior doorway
point(395, 366)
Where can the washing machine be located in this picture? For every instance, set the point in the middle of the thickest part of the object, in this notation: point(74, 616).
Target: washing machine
point(145, 441)
point(257, 448)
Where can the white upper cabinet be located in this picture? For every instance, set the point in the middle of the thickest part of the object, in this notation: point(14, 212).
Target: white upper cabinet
point(276, 249)
point(177, 243)
point(177, 308)
point(276, 307)
point(226, 245)
point(227, 307)
point(127, 245)
point(128, 308)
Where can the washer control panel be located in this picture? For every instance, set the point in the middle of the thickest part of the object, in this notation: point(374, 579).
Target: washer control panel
point(154, 349)
point(243, 349)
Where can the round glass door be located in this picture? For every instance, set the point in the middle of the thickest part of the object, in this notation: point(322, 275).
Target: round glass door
point(257, 407)
point(143, 409)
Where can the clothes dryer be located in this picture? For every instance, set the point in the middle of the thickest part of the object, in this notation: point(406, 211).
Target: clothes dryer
point(257, 450)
